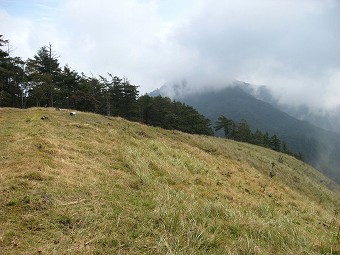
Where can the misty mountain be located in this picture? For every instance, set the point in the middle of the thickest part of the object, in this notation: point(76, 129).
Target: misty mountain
point(320, 148)
point(326, 119)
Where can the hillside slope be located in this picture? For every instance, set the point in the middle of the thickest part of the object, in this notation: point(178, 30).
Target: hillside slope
point(320, 148)
point(87, 184)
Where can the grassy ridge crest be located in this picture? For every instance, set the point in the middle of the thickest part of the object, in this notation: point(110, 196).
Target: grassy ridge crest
point(94, 185)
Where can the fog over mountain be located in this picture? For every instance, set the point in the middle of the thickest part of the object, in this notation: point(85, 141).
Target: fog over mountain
point(291, 46)
point(328, 119)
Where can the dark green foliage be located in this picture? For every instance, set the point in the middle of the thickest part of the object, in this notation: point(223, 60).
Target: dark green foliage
point(257, 138)
point(129, 107)
point(88, 96)
point(163, 112)
point(266, 140)
point(43, 74)
point(116, 92)
point(121, 98)
point(241, 132)
point(227, 125)
point(275, 143)
point(69, 85)
point(12, 77)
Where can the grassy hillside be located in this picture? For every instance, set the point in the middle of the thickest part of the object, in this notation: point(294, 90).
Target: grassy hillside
point(87, 184)
point(319, 147)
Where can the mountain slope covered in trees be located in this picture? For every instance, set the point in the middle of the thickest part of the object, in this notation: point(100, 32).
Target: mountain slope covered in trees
point(88, 184)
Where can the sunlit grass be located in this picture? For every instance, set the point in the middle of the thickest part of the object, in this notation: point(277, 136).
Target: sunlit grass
point(92, 185)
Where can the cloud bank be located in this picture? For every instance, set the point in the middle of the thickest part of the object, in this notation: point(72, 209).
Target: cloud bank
point(291, 46)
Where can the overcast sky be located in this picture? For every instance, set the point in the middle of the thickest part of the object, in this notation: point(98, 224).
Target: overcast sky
point(291, 46)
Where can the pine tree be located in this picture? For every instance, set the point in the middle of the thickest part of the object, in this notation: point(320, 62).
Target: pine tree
point(69, 85)
point(275, 143)
point(117, 103)
point(243, 131)
point(12, 79)
point(130, 108)
point(266, 140)
point(227, 125)
point(107, 90)
point(145, 107)
point(43, 71)
point(257, 138)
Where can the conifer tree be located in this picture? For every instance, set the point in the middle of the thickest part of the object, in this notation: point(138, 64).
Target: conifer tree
point(243, 131)
point(43, 71)
point(69, 86)
point(257, 138)
point(116, 95)
point(266, 140)
point(227, 125)
point(130, 108)
point(275, 143)
point(12, 77)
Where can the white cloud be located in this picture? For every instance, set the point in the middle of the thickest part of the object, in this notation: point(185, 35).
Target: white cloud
point(17, 31)
point(121, 37)
point(332, 96)
point(291, 46)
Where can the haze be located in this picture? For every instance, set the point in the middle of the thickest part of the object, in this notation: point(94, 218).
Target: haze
point(293, 47)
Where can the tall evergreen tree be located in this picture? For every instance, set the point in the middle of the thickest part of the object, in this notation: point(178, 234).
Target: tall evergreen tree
point(275, 143)
point(69, 85)
point(257, 138)
point(117, 95)
point(107, 91)
point(88, 96)
point(266, 140)
point(226, 124)
point(130, 95)
point(43, 72)
point(12, 77)
point(243, 131)
point(145, 104)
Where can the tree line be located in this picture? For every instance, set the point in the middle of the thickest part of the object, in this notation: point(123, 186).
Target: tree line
point(242, 132)
point(169, 114)
point(40, 81)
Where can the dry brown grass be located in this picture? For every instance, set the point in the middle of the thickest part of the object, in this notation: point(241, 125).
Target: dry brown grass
point(93, 185)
